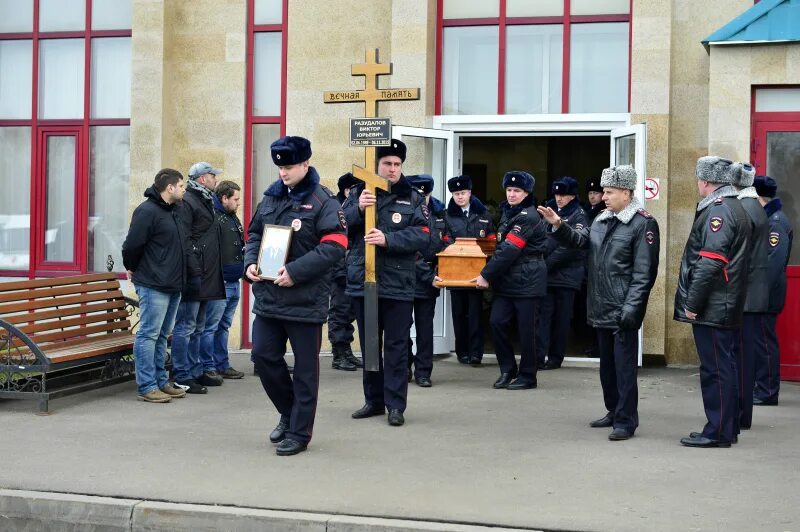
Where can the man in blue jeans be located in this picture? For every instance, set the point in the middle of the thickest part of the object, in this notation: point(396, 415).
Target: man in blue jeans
point(219, 312)
point(154, 257)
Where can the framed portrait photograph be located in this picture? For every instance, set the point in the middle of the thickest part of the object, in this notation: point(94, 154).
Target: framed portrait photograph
point(274, 250)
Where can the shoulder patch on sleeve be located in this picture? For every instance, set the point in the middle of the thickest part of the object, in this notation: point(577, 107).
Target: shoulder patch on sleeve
point(342, 220)
point(425, 211)
point(644, 213)
point(650, 237)
point(578, 226)
point(774, 239)
point(715, 224)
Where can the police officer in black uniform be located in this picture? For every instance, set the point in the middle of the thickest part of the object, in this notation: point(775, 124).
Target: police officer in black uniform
point(565, 272)
point(594, 196)
point(712, 287)
point(401, 231)
point(518, 277)
point(767, 354)
point(425, 293)
point(294, 306)
point(340, 312)
point(623, 263)
point(593, 207)
point(467, 217)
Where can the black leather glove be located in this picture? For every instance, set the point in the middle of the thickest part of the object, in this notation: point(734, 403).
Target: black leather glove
point(627, 321)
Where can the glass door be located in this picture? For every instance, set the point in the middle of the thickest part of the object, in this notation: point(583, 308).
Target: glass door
point(431, 151)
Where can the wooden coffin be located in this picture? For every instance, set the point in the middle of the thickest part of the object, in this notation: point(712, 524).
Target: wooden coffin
point(461, 262)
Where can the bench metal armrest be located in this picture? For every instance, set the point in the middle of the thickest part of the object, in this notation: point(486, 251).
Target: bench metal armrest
point(132, 306)
point(12, 358)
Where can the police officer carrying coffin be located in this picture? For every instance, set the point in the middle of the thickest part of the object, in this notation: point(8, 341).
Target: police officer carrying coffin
point(467, 217)
point(767, 354)
point(711, 295)
point(565, 273)
point(518, 277)
point(623, 263)
point(401, 230)
point(425, 293)
point(294, 305)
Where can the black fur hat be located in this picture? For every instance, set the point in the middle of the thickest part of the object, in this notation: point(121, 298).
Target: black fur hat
point(422, 182)
point(346, 181)
point(290, 150)
point(765, 186)
point(460, 182)
point(593, 185)
point(519, 179)
point(566, 185)
point(395, 147)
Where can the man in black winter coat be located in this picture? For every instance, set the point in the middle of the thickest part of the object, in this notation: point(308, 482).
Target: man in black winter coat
point(154, 256)
point(594, 195)
point(294, 306)
point(623, 247)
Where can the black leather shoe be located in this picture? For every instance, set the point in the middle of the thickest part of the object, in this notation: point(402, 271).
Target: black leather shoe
point(424, 382)
point(279, 432)
point(702, 441)
point(765, 402)
point(522, 383)
point(620, 434)
point(504, 380)
point(342, 363)
point(463, 359)
point(395, 417)
point(288, 447)
point(475, 361)
point(210, 378)
point(192, 386)
point(354, 360)
point(368, 410)
point(700, 434)
point(550, 365)
point(605, 421)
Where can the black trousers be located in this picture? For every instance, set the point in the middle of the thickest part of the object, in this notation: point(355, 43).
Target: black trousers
point(340, 314)
point(467, 308)
point(767, 358)
point(293, 395)
point(525, 310)
point(554, 322)
point(717, 348)
point(619, 353)
point(424, 309)
point(389, 386)
point(745, 366)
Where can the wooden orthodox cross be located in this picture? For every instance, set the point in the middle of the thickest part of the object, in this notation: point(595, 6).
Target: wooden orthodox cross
point(371, 95)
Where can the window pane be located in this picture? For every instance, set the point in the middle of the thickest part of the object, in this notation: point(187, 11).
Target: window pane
point(268, 12)
point(109, 172)
point(469, 70)
point(15, 219)
point(535, 8)
point(625, 150)
point(533, 69)
point(111, 78)
point(599, 68)
point(471, 9)
point(600, 7)
point(111, 14)
point(62, 15)
point(267, 74)
point(60, 223)
point(783, 160)
point(16, 58)
point(777, 100)
point(61, 78)
point(17, 16)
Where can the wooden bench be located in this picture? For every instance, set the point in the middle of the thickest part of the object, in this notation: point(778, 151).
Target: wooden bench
point(63, 335)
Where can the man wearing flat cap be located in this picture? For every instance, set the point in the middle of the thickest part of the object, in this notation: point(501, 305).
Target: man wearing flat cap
point(401, 231)
point(623, 245)
point(294, 306)
point(712, 287)
point(767, 353)
point(467, 217)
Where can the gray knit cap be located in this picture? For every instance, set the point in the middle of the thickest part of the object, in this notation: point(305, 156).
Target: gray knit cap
point(743, 174)
point(715, 170)
point(622, 176)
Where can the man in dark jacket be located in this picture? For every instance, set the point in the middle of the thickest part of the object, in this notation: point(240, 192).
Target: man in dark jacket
point(594, 196)
point(593, 207)
point(623, 247)
point(401, 230)
point(712, 287)
point(425, 293)
point(154, 256)
point(467, 217)
point(219, 312)
point(518, 277)
point(565, 272)
point(767, 353)
point(205, 282)
point(295, 305)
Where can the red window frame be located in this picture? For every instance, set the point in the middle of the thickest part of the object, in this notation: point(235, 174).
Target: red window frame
point(252, 120)
point(40, 128)
point(502, 21)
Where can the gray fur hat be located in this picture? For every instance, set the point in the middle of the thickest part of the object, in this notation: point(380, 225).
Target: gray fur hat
point(622, 176)
point(743, 175)
point(716, 170)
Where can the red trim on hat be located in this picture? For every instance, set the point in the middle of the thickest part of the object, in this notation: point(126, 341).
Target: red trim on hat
point(336, 238)
point(716, 256)
point(517, 241)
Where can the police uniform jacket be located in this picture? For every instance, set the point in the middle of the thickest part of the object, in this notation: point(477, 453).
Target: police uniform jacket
point(566, 266)
point(403, 218)
point(479, 224)
point(426, 262)
point(593, 210)
point(339, 273)
point(318, 242)
point(517, 268)
point(713, 276)
point(622, 266)
point(757, 299)
point(780, 247)
point(204, 260)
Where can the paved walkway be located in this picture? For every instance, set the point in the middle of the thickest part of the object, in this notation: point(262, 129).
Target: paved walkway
point(467, 454)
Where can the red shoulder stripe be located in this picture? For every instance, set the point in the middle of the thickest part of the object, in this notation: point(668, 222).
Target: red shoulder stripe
point(716, 256)
point(336, 238)
point(517, 241)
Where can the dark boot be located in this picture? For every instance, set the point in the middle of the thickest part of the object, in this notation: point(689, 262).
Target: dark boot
point(340, 360)
point(354, 360)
